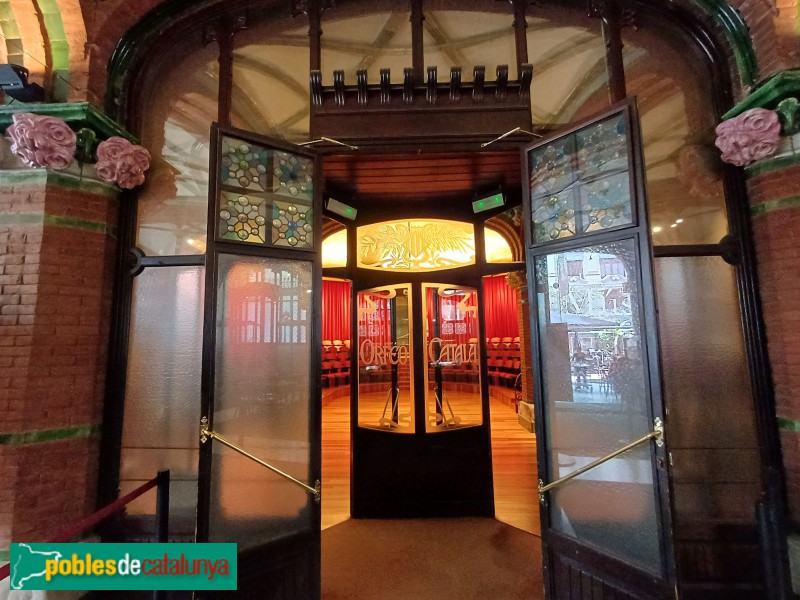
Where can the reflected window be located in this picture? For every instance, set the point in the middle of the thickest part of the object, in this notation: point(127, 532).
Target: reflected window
point(416, 245)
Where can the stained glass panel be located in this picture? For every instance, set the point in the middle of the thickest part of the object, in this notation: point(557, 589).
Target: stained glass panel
point(242, 217)
point(243, 165)
point(580, 183)
point(293, 176)
point(256, 183)
point(291, 225)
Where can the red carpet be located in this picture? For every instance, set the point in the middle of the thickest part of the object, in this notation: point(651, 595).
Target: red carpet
point(430, 559)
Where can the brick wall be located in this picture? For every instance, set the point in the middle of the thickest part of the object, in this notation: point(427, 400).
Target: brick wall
point(774, 202)
point(57, 256)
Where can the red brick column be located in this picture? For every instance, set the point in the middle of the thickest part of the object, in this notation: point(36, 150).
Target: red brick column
point(774, 191)
point(57, 256)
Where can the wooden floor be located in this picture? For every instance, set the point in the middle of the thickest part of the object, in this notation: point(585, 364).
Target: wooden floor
point(513, 461)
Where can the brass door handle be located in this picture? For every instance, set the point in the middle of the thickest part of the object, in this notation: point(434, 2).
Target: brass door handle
point(657, 434)
point(206, 434)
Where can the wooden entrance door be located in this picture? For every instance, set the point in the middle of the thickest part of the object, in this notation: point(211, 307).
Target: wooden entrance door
point(261, 363)
point(607, 532)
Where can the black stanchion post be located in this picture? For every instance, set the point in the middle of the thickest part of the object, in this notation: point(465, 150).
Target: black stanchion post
point(162, 517)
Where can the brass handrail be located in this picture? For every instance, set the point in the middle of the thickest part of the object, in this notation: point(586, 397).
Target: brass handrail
point(657, 434)
point(206, 433)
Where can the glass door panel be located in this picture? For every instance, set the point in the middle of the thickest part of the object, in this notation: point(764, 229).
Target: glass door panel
point(594, 386)
point(385, 362)
point(262, 346)
point(452, 376)
point(596, 350)
point(263, 357)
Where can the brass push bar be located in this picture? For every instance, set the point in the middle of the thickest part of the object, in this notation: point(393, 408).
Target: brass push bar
point(206, 433)
point(657, 434)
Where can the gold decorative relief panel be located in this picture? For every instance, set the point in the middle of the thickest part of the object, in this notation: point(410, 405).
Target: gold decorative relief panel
point(416, 245)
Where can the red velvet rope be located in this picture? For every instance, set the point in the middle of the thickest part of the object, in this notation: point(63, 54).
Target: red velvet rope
point(77, 528)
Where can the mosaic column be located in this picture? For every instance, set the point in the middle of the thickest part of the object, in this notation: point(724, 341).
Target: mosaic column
point(518, 281)
point(58, 251)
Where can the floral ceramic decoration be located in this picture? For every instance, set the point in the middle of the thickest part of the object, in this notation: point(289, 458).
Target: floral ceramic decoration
point(121, 162)
point(42, 141)
point(749, 137)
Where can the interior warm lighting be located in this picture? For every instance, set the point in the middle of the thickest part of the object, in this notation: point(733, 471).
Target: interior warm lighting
point(657, 229)
point(334, 250)
point(497, 248)
point(416, 245)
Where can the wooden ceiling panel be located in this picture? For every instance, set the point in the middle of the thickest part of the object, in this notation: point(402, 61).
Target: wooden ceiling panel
point(421, 177)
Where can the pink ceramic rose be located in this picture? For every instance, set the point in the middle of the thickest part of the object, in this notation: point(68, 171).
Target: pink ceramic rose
point(121, 162)
point(751, 136)
point(42, 141)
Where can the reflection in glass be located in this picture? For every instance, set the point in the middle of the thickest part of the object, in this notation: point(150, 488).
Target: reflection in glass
point(568, 55)
point(270, 84)
point(385, 364)
point(366, 41)
point(685, 195)
point(580, 182)
point(261, 398)
point(596, 399)
point(464, 38)
point(416, 245)
point(173, 202)
point(162, 390)
point(452, 377)
point(261, 184)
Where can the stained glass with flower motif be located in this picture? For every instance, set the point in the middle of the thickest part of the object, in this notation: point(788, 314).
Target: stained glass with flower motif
point(259, 187)
point(580, 183)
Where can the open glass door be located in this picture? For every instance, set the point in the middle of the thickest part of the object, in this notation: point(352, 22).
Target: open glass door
point(261, 363)
point(605, 513)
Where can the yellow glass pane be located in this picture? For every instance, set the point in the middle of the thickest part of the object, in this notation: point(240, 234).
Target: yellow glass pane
point(334, 250)
point(497, 248)
point(416, 245)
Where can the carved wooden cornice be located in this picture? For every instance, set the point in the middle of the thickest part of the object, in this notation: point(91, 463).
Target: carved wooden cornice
point(352, 112)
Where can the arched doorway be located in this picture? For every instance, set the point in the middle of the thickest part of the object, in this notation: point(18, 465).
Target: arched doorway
point(255, 78)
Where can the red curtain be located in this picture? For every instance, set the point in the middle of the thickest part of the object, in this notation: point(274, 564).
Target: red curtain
point(500, 308)
point(335, 310)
